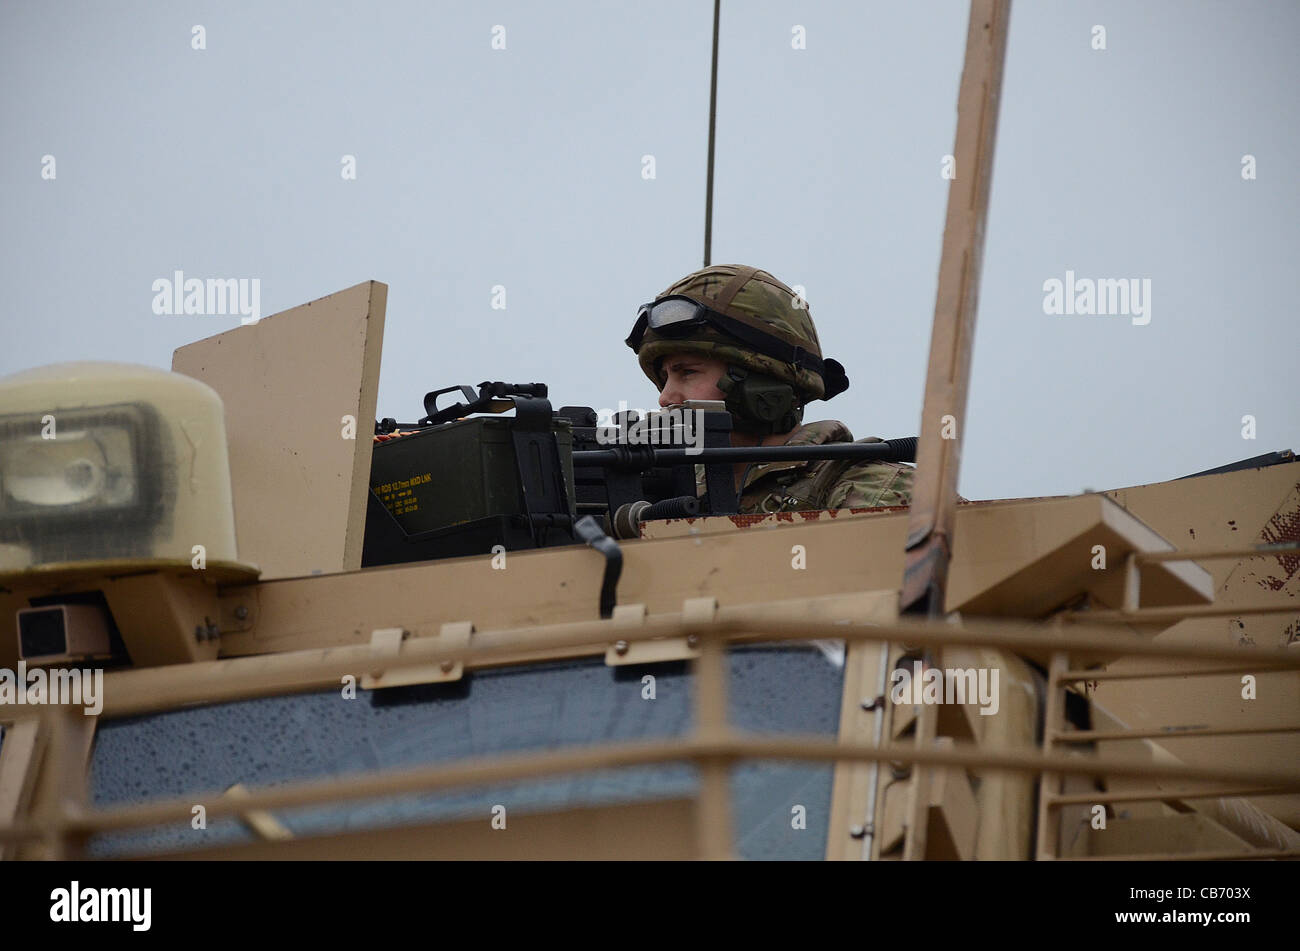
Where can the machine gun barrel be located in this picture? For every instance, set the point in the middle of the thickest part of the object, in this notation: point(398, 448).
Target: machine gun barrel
point(895, 450)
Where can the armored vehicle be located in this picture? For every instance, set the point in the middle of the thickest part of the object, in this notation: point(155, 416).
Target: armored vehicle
point(1112, 673)
point(504, 631)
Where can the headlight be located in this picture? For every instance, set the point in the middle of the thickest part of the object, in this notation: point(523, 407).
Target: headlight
point(87, 467)
point(94, 466)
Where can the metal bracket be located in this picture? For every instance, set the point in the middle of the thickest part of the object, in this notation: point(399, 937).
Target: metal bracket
point(387, 643)
point(699, 610)
point(660, 649)
point(623, 653)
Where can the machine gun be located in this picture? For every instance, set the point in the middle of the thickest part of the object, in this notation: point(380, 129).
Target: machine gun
point(637, 470)
point(448, 485)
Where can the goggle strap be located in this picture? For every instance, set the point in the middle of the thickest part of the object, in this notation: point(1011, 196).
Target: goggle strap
point(759, 327)
point(764, 341)
point(768, 345)
point(831, 371)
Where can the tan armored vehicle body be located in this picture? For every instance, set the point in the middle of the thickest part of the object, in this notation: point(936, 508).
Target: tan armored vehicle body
point(1144, 701)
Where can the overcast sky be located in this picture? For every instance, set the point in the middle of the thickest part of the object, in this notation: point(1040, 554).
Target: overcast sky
point(523, 167)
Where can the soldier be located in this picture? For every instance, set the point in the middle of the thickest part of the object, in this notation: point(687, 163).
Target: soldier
point(739, 335)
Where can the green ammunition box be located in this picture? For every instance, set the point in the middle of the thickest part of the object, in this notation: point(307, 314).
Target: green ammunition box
point(458, 472)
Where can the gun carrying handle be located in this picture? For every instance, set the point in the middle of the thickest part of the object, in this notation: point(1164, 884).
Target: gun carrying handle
point(434, 415)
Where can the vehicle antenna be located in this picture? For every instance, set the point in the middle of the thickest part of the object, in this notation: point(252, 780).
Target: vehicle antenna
point(713, 121)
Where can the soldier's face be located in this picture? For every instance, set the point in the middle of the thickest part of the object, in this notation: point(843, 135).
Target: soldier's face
point(691, 377)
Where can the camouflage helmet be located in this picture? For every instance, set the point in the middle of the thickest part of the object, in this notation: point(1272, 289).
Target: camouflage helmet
point(759, 301)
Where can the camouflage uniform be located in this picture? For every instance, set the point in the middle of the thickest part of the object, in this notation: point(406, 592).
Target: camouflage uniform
point(822, 483)
point(759, 300)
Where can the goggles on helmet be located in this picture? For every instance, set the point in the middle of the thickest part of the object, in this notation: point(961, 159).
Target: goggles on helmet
point(678, 316)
